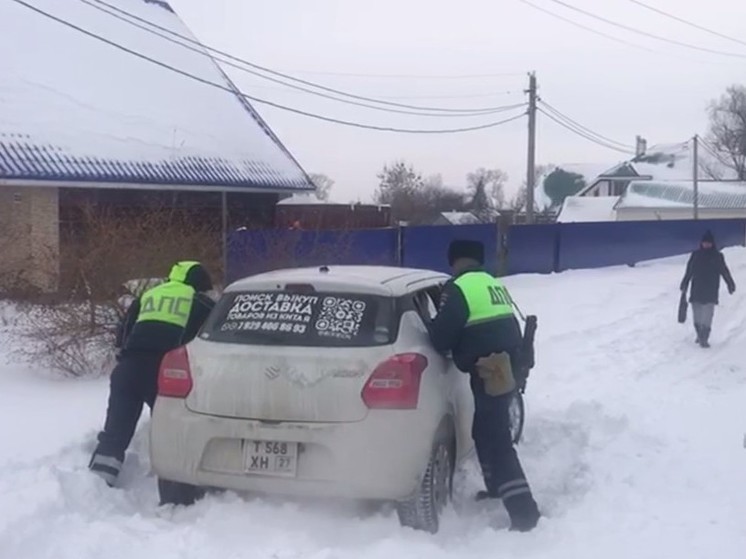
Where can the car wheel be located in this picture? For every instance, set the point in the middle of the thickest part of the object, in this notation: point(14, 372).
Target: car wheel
point(176, 493)
point(423, 510)
point(516, 411)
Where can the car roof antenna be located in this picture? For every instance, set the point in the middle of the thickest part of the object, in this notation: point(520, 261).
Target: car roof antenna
point(324, 269)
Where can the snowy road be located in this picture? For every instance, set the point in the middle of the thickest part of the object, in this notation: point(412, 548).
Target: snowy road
point(634, 445)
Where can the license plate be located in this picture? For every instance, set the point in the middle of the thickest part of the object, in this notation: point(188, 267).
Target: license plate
point(271, 458)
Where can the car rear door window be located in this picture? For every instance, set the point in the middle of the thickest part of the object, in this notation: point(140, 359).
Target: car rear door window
point(285, 318)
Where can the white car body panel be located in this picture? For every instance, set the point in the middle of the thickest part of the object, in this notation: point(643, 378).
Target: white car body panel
point(312, 396)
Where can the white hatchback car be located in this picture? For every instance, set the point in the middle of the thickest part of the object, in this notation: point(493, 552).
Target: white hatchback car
point(316, 382)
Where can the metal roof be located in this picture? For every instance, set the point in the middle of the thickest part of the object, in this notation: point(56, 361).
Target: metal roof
point(713, 195)
point(78, 111)
point(23, 159)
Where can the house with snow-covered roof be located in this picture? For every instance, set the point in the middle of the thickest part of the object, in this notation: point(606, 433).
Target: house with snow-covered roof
point(659, 185)
point(131, 121)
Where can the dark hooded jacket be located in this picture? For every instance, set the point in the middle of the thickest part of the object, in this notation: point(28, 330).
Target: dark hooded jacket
point(160, 337)
point(705, 268)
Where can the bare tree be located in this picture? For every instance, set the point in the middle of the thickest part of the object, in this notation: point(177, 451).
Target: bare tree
point(728, 128)
point(412, 198)
point(492, 182)
point(323, 185)
point(518, 202)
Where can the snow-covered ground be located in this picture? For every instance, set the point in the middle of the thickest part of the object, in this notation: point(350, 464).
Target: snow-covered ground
point(634, 446)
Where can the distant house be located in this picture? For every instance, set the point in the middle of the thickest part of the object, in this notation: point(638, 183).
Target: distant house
point(455, 218)
point(85, 123)
point(583, 175)
point(659, 185)
point(303, 211)
point(654, 200)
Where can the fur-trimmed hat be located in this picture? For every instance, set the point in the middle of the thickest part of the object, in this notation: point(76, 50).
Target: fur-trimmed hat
point(462, 248)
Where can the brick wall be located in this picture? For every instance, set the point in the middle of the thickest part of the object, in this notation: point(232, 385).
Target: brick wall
point(29, 230)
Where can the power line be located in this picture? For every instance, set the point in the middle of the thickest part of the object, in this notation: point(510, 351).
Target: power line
point(201, 48)
point(575, 123)
point(585, 27)
point(412, 76)
point(582, 134)
point(256, 99)
point(201, 52)
point(645, 33)
point(686, 22)
point(712, 150)
point(455, 96)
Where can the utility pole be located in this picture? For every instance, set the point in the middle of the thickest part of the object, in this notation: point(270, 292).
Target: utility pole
point(695, 175)
point(531, 169)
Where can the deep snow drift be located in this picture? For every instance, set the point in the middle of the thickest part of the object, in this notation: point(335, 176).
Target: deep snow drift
point(634, 446)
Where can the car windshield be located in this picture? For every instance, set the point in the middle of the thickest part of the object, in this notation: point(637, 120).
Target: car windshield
point(318, 319)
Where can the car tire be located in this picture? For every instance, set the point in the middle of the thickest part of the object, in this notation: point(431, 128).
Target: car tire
point(423, 510)
point(177, 493)
point(517, 414)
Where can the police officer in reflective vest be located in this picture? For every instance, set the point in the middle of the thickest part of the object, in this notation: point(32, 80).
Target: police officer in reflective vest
point(477, 324)
point(163, 318)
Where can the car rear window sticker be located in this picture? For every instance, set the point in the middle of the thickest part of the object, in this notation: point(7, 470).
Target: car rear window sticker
point(340, 317)
point(271, 312)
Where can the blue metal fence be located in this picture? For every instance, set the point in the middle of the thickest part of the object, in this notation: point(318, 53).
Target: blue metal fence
point(426, 247)
point(519, 250)
point(597, 245)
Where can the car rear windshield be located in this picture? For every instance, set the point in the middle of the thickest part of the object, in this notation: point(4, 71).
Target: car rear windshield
point(311, 319)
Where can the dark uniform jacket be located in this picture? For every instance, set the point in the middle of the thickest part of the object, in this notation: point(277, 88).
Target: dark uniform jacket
point(705, 268)
point(448, 330)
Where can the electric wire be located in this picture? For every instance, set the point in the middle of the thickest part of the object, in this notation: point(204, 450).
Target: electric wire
point(585, 27)
point(257, 99)
point(687, 22)
point(645, 33)
point(582, 134)
point(128, 17)
point(575, 123)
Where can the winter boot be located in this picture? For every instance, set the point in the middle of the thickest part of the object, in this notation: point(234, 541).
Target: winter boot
point(705, 337)
point(523, 511)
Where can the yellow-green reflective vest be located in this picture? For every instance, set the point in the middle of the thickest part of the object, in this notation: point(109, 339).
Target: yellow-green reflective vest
point(170, 302)
point(486, 297)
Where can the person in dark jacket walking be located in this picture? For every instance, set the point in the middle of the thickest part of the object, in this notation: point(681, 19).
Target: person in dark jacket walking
point(477, 324)
point(162, 319)
point(705, 268)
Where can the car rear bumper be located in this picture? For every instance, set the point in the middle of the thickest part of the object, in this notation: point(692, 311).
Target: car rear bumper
point(380, 458)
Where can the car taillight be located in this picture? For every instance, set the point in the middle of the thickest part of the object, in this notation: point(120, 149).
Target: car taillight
point(395, 383)
point(175, 376)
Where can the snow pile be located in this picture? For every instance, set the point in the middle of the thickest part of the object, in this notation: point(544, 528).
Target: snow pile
point(73, 94)
point(585, 209)
point(633, 445)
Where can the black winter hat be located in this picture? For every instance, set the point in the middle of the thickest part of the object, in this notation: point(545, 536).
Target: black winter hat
point(462, 248)
point(708, 237)
point(199, 278)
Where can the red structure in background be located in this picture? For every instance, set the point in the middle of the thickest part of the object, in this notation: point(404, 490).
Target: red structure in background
point(329, 215)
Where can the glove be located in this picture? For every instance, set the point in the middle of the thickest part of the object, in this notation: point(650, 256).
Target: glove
point(732, 289)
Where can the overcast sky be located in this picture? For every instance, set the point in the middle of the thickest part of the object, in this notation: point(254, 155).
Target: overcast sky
point(658, 90)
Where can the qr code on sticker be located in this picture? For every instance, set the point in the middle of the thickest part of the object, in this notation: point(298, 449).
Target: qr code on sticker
point(339, 317)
